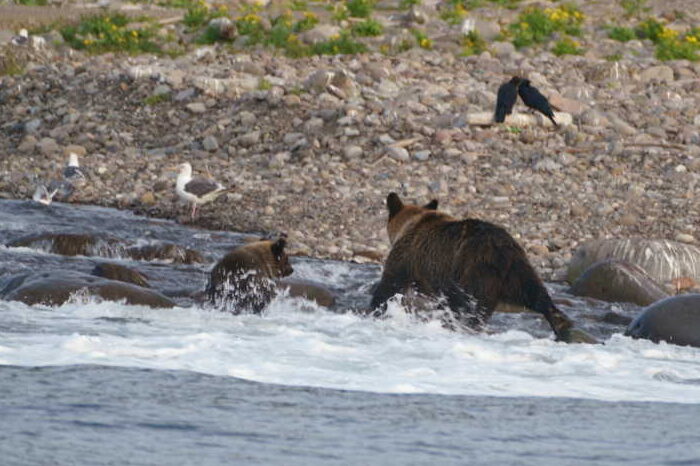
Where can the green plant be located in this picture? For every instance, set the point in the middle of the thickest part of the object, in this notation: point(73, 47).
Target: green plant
point(453, 12)
point(298, 5)
point(250, 25)
point(360, 8)
point(307, 22)
point(32, 2)
point(368, 27)
point(109, 33)
point(473, 44)
point(341, 44)
point(621, 33)
point(567, 46)
point(156, 99)
point(634, 8)
point(514, 130)
point(264, 85)
point(650, 29)
point(614, 57)
point(422, 39)
point(535, 26)
point(408, 4)
point(339, 11)
point(10, 65)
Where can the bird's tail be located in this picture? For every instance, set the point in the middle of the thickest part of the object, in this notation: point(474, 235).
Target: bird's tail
point(225, 191)
point(551, 117)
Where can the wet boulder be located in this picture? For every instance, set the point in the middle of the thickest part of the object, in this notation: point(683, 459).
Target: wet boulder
point(674, 320)
point(56, 287)
point(166, 252)
point(664, 261)
point(120, 273)
point(71, 244)
point(309, 290)
point(617, 281)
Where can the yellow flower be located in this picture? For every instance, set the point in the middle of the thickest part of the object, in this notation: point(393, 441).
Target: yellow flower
point(524, 25)
point(691, 39)
point(292, 38)
point(134, 33)
point(425, 43)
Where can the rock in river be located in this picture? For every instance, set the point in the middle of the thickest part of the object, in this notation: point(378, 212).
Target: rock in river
point(674, 320)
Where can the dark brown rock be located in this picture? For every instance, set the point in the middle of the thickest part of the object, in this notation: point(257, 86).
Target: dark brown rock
point(166, 251)
point(56, 287)
point(120, 273)
point(71, 244)
point(618, 281)
point(308, 290)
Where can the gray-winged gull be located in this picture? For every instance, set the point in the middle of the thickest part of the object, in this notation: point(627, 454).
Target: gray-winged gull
point(42, 195)
point(72, 173)
point(197, 190)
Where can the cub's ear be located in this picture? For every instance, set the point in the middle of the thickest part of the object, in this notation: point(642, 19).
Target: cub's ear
point(432, 205)
point(393, 202)
point(278, 247)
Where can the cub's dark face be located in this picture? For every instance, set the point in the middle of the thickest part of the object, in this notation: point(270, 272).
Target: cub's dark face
point(402, 216)
point(282, 267)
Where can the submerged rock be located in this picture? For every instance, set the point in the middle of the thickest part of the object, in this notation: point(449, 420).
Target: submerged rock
point(308, 290)
point(618, 281)
point(71, 244)
point(56, 287)
point(120, 273)
point(674, 320)
point(166, 251)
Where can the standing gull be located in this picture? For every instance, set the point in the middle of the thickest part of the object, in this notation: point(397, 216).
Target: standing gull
point(197, 190)
point(72, 173)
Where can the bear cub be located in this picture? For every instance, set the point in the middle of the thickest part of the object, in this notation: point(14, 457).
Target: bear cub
point(472, 264)
point(242, 281)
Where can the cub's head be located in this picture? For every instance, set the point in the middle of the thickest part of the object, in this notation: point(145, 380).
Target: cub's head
point(280, 261)
point(402, 216)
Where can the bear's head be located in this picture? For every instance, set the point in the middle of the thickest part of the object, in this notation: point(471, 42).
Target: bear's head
point(402, 216)
point(279, 265)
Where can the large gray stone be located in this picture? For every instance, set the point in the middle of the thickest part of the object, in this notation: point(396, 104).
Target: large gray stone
point(662, 260)
point(674, 320)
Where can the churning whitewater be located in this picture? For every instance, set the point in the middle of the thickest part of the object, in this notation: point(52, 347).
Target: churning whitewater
point(296, 343)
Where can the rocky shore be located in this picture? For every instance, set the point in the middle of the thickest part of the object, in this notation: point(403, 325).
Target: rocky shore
point(314, 145)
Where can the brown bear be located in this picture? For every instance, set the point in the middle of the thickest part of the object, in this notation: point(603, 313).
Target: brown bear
point(473, 264)
point(243, 280)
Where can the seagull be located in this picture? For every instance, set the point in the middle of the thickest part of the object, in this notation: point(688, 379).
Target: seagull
point(42, 195)
point(72, 173)
point(22, 38)
point(197, 190)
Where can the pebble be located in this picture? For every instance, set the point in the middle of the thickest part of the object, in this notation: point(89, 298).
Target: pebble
point(398, 153)
point(196, 107)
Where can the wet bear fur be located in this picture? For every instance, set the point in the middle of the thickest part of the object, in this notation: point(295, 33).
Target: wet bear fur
point(471, 264)
point(242, 281)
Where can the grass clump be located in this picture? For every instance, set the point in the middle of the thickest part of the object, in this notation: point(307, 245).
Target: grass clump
point(453, 12)
point(535, 25)
point(634, 8)
point(342, 44)
point(156, 99)
point(567, 46)
point(367, 28)
point(621, 33)
point(408, 4)
point(360, 8)
point(422, 39)
point(110, 33)
point(670, 43)
point(199, 13)
point(10, 65)
point(473, 44)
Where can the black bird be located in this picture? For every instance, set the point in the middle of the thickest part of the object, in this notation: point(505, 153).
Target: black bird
point(507, 95)
point(534, 99)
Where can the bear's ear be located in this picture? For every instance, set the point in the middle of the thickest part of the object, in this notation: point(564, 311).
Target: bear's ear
point(278, 247)
point(432, 205)
point(393, 202)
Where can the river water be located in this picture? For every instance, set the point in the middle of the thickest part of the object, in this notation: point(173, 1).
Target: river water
point(94, 382)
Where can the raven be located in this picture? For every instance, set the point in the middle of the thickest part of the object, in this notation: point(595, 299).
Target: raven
point(534, 99)
point(507, 95)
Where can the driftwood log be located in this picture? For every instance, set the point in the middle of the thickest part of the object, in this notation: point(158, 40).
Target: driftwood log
point(519, 120)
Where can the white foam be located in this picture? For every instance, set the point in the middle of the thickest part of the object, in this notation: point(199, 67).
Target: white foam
point(298, 344)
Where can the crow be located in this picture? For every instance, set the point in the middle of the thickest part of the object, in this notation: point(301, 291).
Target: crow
point(534, 99)
point(507, 95)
